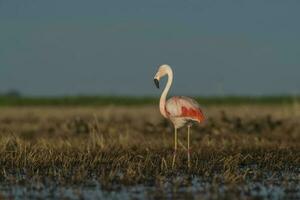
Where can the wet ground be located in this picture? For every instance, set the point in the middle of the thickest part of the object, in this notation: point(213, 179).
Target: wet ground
point(270, 188)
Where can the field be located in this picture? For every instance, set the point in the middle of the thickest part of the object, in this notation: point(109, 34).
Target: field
point(249, 151)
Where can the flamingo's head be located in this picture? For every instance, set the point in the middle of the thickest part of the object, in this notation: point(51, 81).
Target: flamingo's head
point(162, 71)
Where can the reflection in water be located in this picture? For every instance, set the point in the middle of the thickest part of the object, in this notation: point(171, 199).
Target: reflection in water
point(270, 188)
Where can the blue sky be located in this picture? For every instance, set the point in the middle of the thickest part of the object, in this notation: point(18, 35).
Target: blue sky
point(70, 47)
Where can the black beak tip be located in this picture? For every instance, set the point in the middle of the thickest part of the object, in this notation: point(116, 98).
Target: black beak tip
point(156, 82)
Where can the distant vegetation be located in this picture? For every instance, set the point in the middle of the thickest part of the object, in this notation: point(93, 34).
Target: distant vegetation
point(11, 93)
point(14, 99)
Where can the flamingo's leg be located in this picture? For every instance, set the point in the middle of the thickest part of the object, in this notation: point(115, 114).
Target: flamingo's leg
point(175, 147)
point(189, 150)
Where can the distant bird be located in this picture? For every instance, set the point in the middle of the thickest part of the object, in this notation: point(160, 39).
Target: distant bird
point(180, 110)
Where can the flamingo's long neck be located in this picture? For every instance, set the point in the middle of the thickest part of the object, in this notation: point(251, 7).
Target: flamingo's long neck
point(163, 97)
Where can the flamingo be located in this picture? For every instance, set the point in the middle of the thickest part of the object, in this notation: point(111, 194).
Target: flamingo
point(180, 110)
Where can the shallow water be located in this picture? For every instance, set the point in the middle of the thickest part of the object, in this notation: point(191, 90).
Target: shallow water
point(269, 188)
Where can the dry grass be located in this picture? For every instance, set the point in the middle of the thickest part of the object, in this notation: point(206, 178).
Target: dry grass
point(134, 145)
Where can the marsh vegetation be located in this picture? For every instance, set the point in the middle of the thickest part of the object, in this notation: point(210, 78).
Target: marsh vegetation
point(245, 151)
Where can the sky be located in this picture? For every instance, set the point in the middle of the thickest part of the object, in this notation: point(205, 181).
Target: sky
point(97, 47)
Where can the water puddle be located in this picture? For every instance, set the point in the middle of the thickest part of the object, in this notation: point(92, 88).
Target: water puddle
point(270, 188)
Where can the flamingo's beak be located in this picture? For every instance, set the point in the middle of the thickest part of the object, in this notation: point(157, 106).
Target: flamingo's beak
point(156, 82)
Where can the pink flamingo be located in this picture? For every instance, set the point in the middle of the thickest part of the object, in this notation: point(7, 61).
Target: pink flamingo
point(180, 110)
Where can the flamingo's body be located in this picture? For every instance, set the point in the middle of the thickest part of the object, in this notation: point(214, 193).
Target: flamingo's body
point(180, 110)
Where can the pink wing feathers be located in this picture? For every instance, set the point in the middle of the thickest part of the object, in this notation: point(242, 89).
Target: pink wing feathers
point(186, 107)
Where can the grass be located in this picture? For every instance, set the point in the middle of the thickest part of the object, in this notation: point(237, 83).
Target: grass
point(133, 101)
point(128, 146)
point(67, 162)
